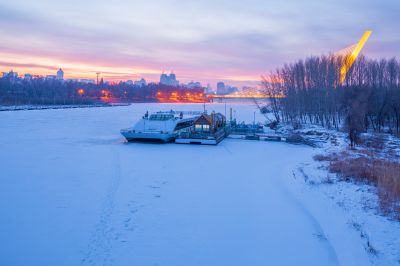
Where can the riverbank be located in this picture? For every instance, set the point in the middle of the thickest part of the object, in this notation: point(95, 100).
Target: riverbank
point(362, 181)
point(68, 106)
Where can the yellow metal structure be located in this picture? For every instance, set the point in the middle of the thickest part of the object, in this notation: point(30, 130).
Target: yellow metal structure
point(351, 58)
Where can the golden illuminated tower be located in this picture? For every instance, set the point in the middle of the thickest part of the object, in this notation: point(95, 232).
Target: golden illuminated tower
point(351, 56)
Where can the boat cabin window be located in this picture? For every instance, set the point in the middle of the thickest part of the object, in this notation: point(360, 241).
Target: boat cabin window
point(202, 127)
point(161, 117)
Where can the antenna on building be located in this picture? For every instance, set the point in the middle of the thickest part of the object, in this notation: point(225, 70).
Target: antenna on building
point(97, 74)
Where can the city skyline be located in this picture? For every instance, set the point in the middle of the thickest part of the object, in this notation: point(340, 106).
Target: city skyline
point(168, 79)
point(208, 42)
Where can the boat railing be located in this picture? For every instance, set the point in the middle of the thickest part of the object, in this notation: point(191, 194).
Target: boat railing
point(202, 135)
point(189, 112)
point(246, 130)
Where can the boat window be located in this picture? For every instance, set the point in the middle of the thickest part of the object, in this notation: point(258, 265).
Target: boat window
point(205, 128)
point(161, 117)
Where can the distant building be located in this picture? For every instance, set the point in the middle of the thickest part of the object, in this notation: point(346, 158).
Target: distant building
point(87, 81)
point(129, 82)
point(164, 78)
point(28, 77)
point(230, 90)
point(51, 77)
point(221, 88)
point(142, 82)
point(193, 85)
point(169, 80)
point(209, 89)
point(173, 80)
point(60, 74)
point(11, 75)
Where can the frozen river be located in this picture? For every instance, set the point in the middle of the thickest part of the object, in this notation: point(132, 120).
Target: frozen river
point(73, 193)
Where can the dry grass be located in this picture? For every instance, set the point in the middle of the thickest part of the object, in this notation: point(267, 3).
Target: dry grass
point(331, 156)
point(385, 175)
point(375, 142)
point(389, 186)
point(322, 157)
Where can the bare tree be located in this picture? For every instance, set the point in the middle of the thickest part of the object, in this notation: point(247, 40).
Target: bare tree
point(368, 98)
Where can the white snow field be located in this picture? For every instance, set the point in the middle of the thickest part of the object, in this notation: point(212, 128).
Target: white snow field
point(74, 193)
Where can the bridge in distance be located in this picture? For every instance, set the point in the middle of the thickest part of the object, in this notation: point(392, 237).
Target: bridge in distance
point(349, 54)
point(212, 97)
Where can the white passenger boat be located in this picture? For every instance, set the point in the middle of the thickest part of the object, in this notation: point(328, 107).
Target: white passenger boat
point(160, 126)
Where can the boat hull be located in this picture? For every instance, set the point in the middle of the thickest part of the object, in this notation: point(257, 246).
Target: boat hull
point(201, 138)
point(147, 136)
point(197, 141)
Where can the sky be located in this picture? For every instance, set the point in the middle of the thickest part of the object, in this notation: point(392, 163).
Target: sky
point(208, 41)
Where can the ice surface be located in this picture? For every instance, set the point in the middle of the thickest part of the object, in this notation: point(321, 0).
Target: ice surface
point(73, 193)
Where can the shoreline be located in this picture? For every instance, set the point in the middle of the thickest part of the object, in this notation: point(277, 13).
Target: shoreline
point(47, 107)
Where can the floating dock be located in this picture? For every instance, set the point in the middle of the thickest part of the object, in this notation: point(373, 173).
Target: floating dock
point(207, 130)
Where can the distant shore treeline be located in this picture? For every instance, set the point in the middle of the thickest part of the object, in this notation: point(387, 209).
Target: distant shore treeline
point(368, 98)
point(42, 91)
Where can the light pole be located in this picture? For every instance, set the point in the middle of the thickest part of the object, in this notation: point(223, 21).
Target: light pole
point(225, 108)
point(254, 123)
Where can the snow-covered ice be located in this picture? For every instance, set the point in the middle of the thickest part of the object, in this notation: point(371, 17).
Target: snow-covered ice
point(73, 193)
